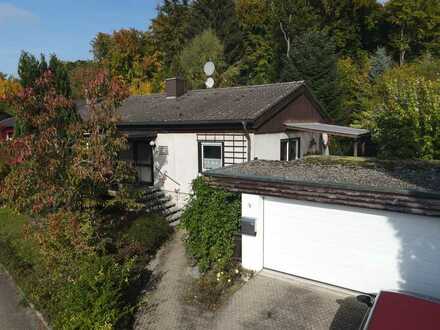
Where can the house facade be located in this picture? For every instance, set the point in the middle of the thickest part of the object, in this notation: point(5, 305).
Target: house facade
point(175, 136)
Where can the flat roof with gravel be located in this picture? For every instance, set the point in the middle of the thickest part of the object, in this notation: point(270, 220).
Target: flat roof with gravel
point(395, 176)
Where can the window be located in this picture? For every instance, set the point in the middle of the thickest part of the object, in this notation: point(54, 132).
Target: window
point(210, 155)
point(290, 149)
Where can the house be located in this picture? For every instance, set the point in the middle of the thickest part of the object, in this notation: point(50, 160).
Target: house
point(7, 128)
point(366, 225)
point(175, 136)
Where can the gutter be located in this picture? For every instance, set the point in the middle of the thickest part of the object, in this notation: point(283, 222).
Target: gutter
point(248, 139)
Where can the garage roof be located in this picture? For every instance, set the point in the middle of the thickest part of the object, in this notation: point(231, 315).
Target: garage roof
point(412, 187)
point(329, 129)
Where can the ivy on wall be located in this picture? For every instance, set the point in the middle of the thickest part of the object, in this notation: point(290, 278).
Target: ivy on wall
point(211, 218)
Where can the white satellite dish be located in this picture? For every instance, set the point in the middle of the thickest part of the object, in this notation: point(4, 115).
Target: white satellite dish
point(209, 68)
point(209, 82)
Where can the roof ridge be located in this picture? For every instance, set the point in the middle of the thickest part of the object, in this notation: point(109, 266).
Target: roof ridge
point(299, 82)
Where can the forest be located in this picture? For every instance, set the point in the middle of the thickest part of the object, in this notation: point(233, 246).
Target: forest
point(370, 64)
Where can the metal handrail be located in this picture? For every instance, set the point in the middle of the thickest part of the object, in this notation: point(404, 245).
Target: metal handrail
point(158, 169)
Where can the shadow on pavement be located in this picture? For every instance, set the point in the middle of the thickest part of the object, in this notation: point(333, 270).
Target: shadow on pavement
point(349, 315)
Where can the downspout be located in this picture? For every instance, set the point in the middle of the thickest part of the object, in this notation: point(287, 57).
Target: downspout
point(248, 139)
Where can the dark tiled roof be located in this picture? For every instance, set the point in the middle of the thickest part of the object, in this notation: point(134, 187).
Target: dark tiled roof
point(219, 104)
point(399, 176)
point(330, 129)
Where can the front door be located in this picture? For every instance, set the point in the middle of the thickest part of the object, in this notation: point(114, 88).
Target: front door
point(140, 154)
point(143, 161)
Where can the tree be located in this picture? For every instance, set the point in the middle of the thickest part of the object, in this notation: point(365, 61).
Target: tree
point(203, 48)
point(257, 63)
point(80, 74)
point(170, 32)
point(414, 27)
point(291, 19)
point(221, 17)
point(128, 54)
point(313, 59)
point(61, 162)
point(8, 86)
point(30, 70)
point(380, 63)
point(406, 124)
point(354, 24)
point(355, 88)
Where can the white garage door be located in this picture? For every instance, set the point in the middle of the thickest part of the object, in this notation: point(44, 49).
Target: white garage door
point(359, 249)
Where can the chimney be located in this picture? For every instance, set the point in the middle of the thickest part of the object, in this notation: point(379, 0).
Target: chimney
point(175, 87)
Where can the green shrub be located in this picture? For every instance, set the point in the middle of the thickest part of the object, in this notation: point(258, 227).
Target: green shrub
point(94, 298)
point(148, 232)
point(211, 218)
point(210, 289)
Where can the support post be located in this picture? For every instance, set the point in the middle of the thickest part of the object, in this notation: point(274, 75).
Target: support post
point(355, 148)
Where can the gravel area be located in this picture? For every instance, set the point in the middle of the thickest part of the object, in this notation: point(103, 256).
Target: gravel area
point(389, 176)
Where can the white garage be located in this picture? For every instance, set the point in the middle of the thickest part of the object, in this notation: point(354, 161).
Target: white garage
point(363, 238)
point(361, 249)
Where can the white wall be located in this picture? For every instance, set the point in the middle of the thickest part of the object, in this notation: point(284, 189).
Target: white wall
point(267, 146)
point(175, 171)
point(180, 165)
point(252, 246)
point(356, 248)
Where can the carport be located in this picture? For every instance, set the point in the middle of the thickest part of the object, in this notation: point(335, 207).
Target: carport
point(359, 135)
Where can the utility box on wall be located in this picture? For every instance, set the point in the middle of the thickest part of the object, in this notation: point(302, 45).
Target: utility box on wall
point(248, 226)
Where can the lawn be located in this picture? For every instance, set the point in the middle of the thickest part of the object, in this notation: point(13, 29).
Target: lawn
point(17, 254)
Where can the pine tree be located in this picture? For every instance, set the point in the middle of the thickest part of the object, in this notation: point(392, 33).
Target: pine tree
point(313, 59)
point(380, 63)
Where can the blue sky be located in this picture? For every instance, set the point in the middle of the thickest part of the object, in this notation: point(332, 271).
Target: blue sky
point(64, 27)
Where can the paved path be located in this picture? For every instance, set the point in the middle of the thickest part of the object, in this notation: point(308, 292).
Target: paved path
point(265, 302)
point(13, 315)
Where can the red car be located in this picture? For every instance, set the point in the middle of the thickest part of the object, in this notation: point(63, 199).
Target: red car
point(400, 311)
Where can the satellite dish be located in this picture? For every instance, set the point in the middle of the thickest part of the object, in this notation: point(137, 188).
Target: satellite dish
point(209, 82)
point(209, 68)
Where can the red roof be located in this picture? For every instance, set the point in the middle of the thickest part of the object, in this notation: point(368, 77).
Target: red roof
point(399, 311)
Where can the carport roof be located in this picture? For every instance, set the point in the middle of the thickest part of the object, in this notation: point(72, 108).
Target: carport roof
point(329, 129)
point(412, 186)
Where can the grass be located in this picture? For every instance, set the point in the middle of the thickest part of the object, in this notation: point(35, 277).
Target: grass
point(15, 249)
point(17, 254)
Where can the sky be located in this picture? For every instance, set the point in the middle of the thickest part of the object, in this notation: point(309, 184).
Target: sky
point(64, 27)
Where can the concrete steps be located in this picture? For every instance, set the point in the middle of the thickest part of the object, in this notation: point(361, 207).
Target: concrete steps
point(156, 201)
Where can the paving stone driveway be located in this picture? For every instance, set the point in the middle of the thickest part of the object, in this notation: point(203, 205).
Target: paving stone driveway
point(271, 303)
point(265, 302)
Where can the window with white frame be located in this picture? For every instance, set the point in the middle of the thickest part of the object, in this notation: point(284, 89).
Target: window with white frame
point(210, 155)
point(290, 149)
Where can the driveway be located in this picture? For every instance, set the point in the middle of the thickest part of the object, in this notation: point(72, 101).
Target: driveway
point(272, 302)
point(265, 302)
point(13, 315)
